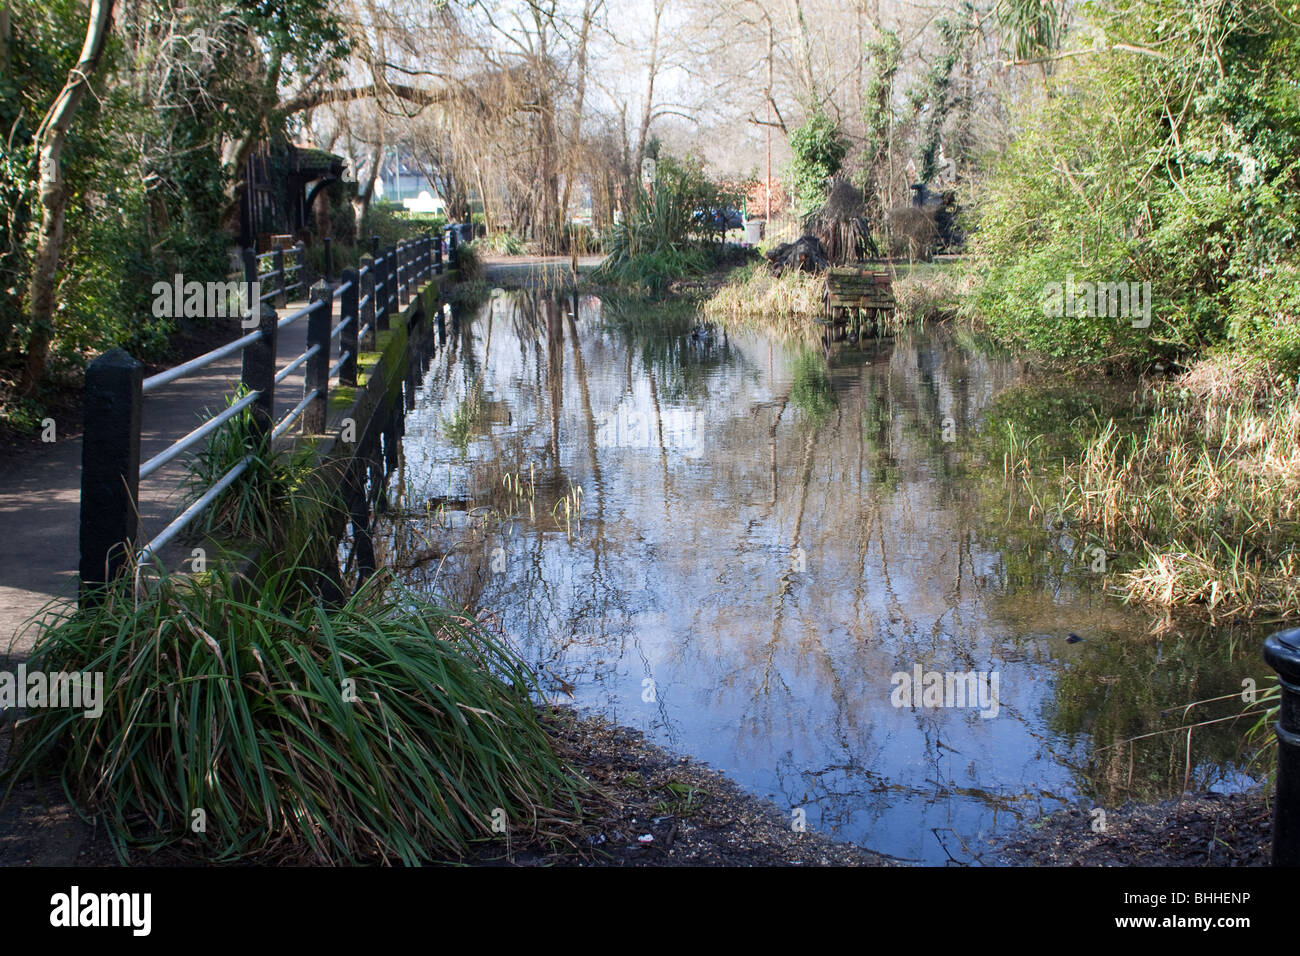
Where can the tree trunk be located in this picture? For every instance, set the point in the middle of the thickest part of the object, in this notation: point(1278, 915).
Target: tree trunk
point(53, 195)
point(647, 109)
point(580, 95)
point(361, 202)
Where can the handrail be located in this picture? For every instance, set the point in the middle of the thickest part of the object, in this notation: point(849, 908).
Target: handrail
point(290, 418)
point(230, 348)
point(394, 273)
point(285, 372)
point(194, 364)
point(339, 364)
point(207, 428)
point(294, 316)
point(150, 550)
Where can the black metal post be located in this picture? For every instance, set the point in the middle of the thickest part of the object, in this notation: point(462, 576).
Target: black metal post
point(437, 254)
point(367, 319)
point(319, 320)
point(348, 337)
point(259, 370)
point(381, 294)
point(390, 284)
point(374, 246)
point(1282, 651)
point(110, 469)
point(250, 270)
point(452, 243)
point(403, 271)
point(300, 248)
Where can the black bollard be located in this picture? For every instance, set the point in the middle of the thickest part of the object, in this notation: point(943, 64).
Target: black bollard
point(1282, 651)
point(110, 469)
point(258, 373)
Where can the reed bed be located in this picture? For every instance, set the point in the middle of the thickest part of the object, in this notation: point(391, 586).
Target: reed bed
point(1203, 500)
point(752, 295)
point(787, 305)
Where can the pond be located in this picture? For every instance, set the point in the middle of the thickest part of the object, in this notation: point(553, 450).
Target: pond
point(755, 551)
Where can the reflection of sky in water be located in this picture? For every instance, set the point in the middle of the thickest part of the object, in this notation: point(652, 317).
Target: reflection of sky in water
point(769, 569)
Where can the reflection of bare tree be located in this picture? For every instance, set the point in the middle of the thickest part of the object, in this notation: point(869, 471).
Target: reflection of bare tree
point(555, 374)
point(682, 570)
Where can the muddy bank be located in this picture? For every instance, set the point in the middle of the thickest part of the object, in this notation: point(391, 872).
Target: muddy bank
point(1208, 829)
point(693, 815)
point(696, 816)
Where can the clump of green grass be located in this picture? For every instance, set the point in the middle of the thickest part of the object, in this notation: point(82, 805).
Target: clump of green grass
point(283, 503)
point(246, 721)
point(469, 264)
point(663, 237)
point(653, 269)
point(784, 305)
point(506, 243)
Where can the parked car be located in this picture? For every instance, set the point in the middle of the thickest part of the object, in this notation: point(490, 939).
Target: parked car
point(720, 220)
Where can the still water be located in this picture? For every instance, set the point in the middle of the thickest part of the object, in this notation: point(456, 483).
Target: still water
point(770, 544)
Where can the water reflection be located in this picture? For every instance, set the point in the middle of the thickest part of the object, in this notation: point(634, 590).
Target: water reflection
point(767, 535)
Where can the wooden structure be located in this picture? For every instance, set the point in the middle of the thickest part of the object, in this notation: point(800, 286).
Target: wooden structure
point(280, 187)
point(856, 293)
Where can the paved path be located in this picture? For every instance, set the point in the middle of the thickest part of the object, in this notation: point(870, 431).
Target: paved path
point(40, 488)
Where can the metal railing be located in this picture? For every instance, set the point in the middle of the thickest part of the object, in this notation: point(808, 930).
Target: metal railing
point(115, 388)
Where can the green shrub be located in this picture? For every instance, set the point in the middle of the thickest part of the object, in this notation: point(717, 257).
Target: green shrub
point(660, 239)
point(1265, 318)
point(819, 149)
point(1098, 185)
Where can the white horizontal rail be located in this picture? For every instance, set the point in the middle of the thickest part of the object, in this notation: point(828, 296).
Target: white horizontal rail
point(292, 417)
point(194, 364)
point(285, 372)
point(151, 549)
point(207, 428)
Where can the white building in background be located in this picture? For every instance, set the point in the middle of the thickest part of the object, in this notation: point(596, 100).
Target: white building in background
point(404, 183)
